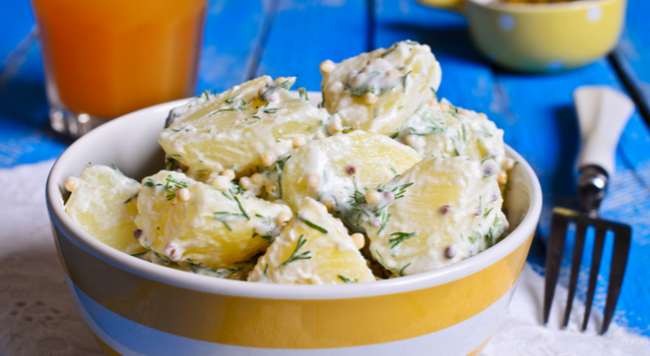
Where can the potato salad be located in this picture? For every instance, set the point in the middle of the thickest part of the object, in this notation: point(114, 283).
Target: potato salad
point(380, 180)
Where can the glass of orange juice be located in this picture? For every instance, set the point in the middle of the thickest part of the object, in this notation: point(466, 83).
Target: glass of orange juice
point(106, 58)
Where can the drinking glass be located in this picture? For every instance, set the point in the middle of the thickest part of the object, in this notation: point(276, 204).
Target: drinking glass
point(106, 58)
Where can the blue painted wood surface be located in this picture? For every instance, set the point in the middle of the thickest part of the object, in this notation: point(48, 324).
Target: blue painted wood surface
point(633, 51)
point(291, 37)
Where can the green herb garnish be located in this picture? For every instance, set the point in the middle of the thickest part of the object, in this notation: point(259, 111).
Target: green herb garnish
point(312, 225)
point(241, 208)
point(294, 256)
point(272, 110)
point(284, 86)
point(303, 94)
point(131, 198)
point(400, 237)
point(404, 82)
point(220, 110)
point(435, 93)
point(401, 272)
point(347, 280)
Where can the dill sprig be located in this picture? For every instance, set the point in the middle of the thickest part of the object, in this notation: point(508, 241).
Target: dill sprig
point(389, 51)
point(279, 166)
point(268, 238)
point(401, 272)
point(383, 263)
point(400, 237)
point(487, 213)
point(400, 190)
point(223, 215)
point(159, 256)
point(272, 110)
point(294, 256)
point(241, 208)
point(172, 185)
point(404, 81)
point(220, 110)
point(435, 93)
point(312, 225)
point(117, 169)
point(475, 236)
point(284, 86)
point(384, 221)
point(303, 94)
point(347, 280)
point(131, 198)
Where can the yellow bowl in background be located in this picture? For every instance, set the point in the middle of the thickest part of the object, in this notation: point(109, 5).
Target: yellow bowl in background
point(134, 307)
point(541, 37)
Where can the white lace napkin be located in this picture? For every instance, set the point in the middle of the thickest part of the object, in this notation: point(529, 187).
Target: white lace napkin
point(38, 316)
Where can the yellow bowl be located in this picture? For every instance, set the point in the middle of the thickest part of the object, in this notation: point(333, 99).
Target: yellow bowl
point(136, 307)
point(542, 37)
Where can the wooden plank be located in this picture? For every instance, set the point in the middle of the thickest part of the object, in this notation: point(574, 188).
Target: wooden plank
point(305, 33)
point(233, 32)
point(633, 51)
point(537, 115)
point(25, 136)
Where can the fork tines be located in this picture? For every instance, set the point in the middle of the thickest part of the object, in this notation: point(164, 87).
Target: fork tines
point(622, 235)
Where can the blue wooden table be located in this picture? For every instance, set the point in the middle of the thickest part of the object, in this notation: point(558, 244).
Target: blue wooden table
point(245, 39)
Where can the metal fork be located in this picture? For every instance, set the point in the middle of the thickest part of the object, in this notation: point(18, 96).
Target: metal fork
point(602, 114)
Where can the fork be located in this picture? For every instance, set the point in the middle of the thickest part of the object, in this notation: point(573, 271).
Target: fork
point(602, 114)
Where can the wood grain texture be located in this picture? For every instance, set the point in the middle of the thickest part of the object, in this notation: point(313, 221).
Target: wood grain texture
point(633, 51)
point(307, 32)
point(537, 114)
point(233, 36)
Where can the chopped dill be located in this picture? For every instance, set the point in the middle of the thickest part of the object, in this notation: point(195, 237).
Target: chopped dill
point(220, 110)
point(312, 225)
point(404, 81)
point(159, 256)
point(272, 110)
point(241, 208)
point(400, 237)
point(117, 169)
point(347, 280)
point(303, 94)
point(131, 198)
point(294, 256)
point(487, 213)
point(284, 86)
point(435, 93)
point(401, 272)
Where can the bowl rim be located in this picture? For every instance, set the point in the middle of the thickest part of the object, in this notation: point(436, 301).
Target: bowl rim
point(556, 7)
point(186, 280)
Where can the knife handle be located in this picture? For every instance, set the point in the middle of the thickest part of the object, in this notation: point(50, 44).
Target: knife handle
point(602, 115)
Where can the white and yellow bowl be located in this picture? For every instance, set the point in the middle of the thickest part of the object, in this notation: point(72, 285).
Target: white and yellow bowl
point(541, 37)
point(134, 307)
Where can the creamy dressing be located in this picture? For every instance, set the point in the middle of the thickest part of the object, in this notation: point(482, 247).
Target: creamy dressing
point(378, 91)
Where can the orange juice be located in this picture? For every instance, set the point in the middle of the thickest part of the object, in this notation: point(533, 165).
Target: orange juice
point(109, 57)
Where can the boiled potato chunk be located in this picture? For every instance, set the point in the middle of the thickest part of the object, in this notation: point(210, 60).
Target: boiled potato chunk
point(378, 91)
point(442, 130)
point(103, 204)
point(192, 222)
point(443, 211)
point(244, 129)
point(333, 169)
point(314, 248)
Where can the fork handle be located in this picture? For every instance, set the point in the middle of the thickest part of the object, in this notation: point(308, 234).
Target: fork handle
point(602, 115)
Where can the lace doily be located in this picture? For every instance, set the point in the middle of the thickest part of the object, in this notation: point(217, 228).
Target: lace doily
point(38, 315)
